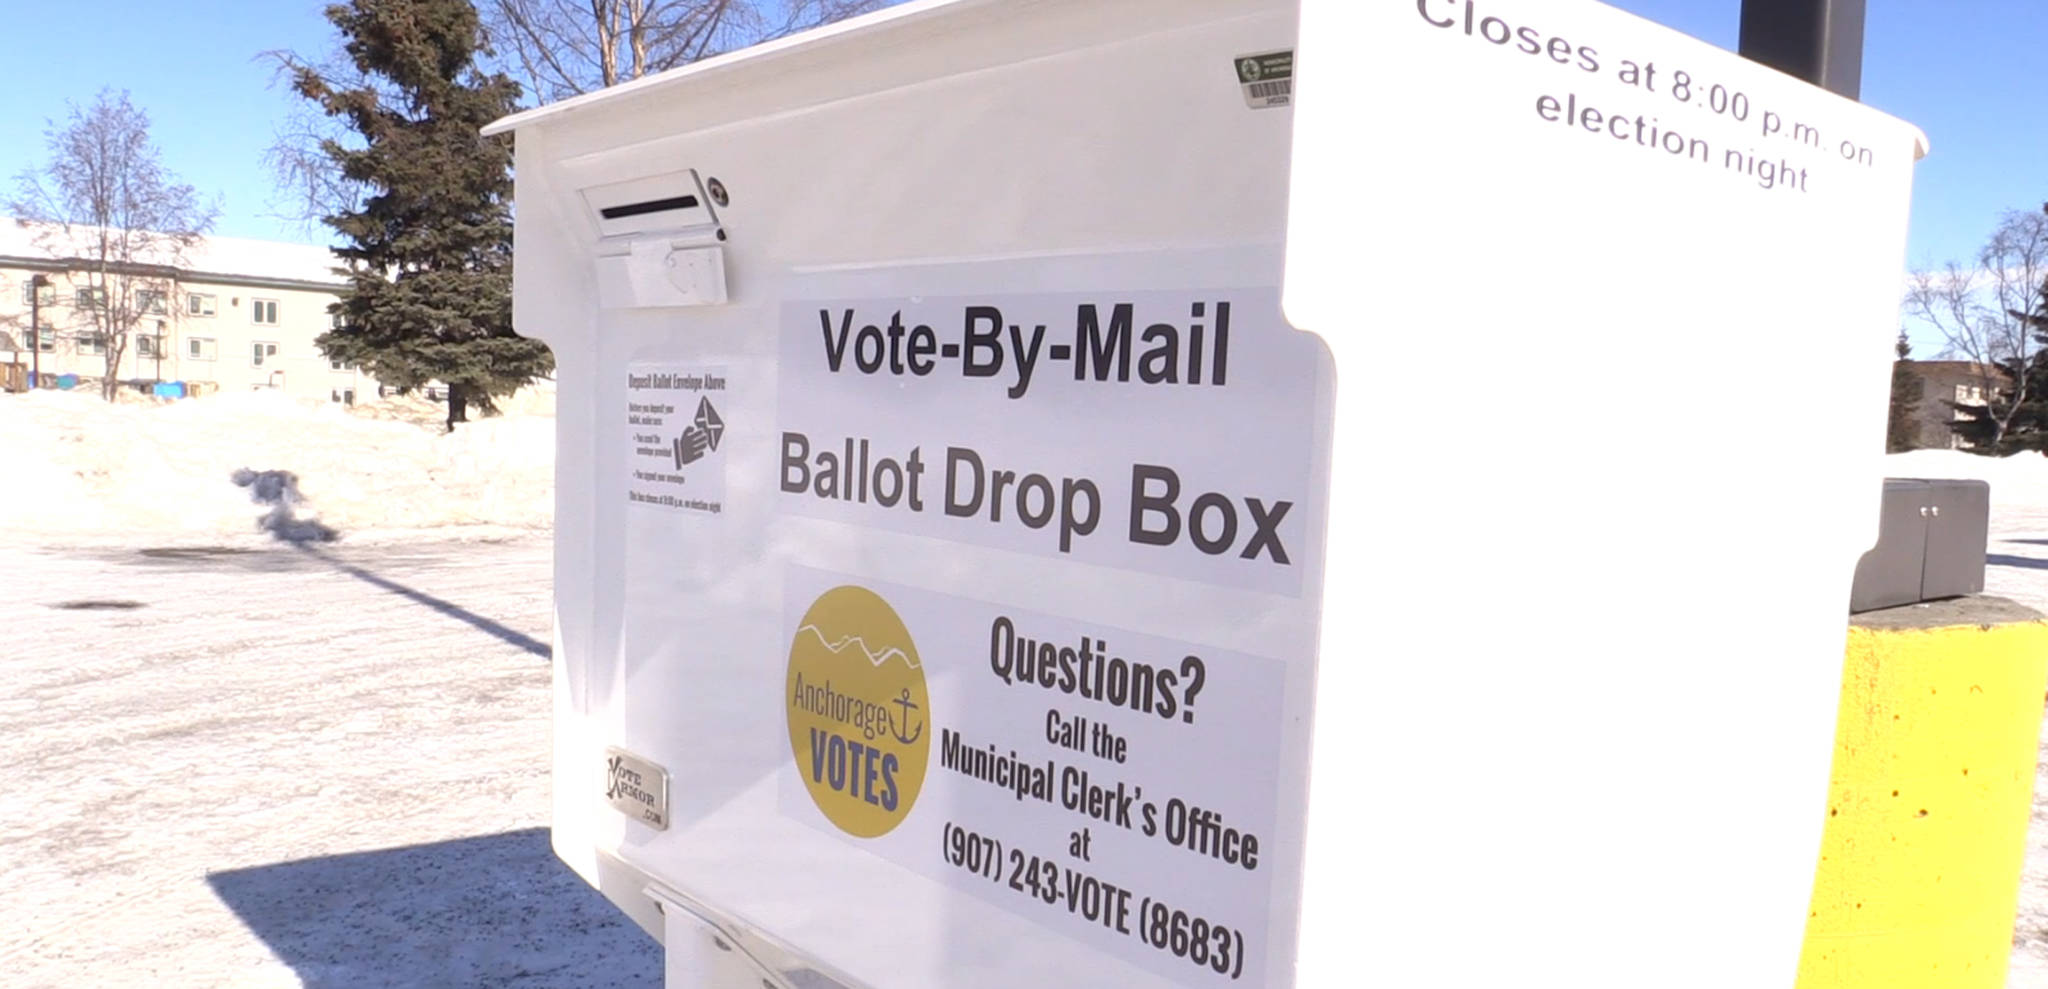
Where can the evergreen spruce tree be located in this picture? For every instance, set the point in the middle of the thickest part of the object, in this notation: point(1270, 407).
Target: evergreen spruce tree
point(428, 249)
point(1902, 430)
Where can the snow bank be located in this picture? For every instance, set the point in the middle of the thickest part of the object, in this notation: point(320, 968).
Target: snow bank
point(2019, 483)
point(74, 466)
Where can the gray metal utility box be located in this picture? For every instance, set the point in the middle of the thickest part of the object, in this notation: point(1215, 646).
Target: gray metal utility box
point(1930, 544)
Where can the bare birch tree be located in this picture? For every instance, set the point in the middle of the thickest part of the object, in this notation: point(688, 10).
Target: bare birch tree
point(1991, 314)
point(557, 49)
point(566, 47)
point(301, 158)
point(105, 205)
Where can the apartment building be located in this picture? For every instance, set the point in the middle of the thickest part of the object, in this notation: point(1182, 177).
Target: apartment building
point(222, 315)
point(1963, 383)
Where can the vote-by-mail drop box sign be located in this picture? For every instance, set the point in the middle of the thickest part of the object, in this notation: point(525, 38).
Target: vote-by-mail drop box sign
point(946, 494)
point(941, 493)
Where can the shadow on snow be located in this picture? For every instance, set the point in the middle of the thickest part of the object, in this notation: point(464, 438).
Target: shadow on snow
point(494, 910)
point(498, 630)
point(2026, 562)
point(279, 489)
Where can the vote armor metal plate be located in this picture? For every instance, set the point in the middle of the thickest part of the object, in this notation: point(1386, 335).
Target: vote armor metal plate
point(636, 788)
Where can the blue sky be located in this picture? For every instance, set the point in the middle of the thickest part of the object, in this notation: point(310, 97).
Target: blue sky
point(1963, 73)
point(191, 65)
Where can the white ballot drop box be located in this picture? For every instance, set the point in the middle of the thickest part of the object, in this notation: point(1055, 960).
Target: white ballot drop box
point(1209, 492)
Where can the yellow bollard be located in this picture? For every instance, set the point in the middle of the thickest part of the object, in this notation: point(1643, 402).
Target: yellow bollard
point(1930, 797)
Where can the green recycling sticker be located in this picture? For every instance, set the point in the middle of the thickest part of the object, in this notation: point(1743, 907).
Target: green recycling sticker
point(1267, 78)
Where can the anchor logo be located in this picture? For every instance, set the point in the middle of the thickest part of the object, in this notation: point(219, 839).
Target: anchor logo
point(857, 707)
point(907, 705)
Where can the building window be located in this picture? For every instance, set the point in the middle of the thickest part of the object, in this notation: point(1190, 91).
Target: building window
point(197, 304)
point(263, 311)
point(92, 343)
point(342, 396)
point(149, 346)
point(28, 294)
point(199, 348)
point(42, 340)
point(151, 301)
point(89, 297)
point(261, 351)
point(337, 364)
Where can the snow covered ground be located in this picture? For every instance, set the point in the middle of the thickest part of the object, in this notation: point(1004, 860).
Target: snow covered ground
point(277, 766)
point(237, 760)
point(76, 469)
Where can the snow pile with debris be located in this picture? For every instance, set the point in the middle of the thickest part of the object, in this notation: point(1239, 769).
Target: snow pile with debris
point(74, 467)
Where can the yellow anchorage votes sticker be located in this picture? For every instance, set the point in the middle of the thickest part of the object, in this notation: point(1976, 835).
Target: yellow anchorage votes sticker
point(858, 713)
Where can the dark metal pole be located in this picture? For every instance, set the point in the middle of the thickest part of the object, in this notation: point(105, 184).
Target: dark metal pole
point(1820, 41)
point(35, 327)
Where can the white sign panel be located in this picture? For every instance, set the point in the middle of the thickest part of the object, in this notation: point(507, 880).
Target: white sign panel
point(674, 430)
point(1119, 790)
point(1166, 432)
point(1112, 788)
point(1632, 299)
